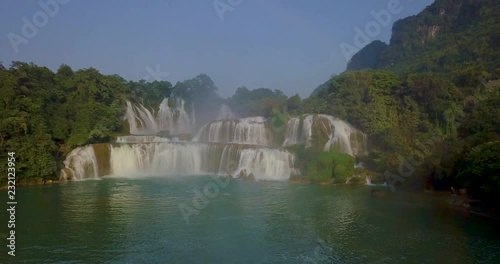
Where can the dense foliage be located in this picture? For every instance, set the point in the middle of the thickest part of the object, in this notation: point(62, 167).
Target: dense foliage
point(480, 171)
point(321, 166)
point(368, 57)
point(401, 114)
point(46, 114)
point(431, 101)
point(460, 38)
point(257, 102)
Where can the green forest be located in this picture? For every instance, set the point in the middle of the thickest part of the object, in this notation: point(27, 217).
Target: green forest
point(429, 102)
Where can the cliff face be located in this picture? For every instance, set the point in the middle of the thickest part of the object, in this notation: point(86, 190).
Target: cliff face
point(444, 37)
point(442, 17)
point(368, 57)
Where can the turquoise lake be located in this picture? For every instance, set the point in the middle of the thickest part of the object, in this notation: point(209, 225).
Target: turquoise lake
point(118, 220)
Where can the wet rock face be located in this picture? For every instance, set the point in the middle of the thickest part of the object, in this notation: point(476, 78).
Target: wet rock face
point(66, 174)
point(321, 132)
point(246, 176)
point(163, 133)
point(103, 154)
point(185, 137)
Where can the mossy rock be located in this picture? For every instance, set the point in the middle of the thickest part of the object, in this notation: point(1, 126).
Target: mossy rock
point(276, 129)
point(375, 177)
point(66, 174)
point(320, 132)
point(163, 133)
point(185, 137)
point(343, 166)
point(103, 155)
point(359, 143)
point(356, 180)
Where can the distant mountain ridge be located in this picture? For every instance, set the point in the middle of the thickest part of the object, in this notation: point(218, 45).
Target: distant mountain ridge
point(444, 36)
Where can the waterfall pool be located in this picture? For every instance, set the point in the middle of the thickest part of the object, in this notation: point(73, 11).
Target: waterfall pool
point(202, 219)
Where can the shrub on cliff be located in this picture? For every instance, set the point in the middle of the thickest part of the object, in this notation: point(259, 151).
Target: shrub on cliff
point(323, 167)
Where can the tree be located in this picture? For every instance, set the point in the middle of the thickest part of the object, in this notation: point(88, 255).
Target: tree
point(293, 105)
point(257, 102)
point(479, 171)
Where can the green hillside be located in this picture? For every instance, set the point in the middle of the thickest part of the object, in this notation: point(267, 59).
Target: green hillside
point(429, 100)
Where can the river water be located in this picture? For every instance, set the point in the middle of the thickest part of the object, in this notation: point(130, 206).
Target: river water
point(118, 220)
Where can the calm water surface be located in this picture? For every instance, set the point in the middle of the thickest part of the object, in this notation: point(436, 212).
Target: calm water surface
point(139, 221)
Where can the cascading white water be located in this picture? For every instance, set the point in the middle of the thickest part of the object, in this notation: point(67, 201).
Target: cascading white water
point(229, 159)
point(230, 146)
point(368, 181)
point(196, 159)
point(341, 134)
point(299, 135)
point(144, 122)
point(307, 130)
point(82, 164)
point(193, 114)
point(292, 132)
point(158, 159)
point(266, 164)
point(225, 113)
point(251, 130)
point(140, 139)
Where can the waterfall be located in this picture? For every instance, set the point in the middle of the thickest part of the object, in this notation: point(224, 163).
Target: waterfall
point(307, 130)
point(161, 159)
point(81, 163)
point(193, 114)
point(167, 158)
point(229, 159)
point(239, 147)
point(292, 132)
point(342, 137)
point(251, 130)
point(266, 164)
point(225, 113)
point(174, 119)
point(368, 181)
point(140, 139)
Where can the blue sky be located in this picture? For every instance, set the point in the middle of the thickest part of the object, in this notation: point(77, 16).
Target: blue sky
point(291, 45)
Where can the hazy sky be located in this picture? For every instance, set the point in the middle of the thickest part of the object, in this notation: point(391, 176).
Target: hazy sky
point(291, 45)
